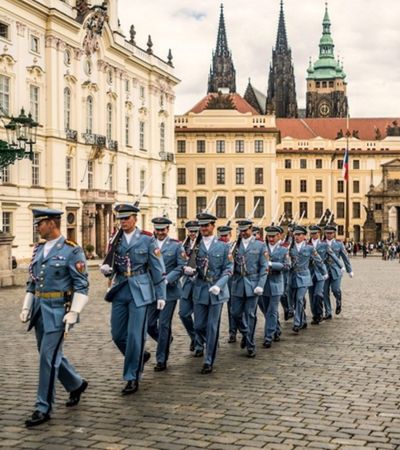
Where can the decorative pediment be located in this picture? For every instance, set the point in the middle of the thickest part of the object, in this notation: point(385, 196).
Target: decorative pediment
point(129, 105)
point(7, 60)
point(163, 113)
point(35, 71)
point(143, 110)
point(71, 79)
point(97, 17)
point(112, 95)
point(90, 87)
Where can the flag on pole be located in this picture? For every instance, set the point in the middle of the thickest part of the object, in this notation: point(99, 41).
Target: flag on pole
point(345, 170)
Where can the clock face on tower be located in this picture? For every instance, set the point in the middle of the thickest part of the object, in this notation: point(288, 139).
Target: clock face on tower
point(324, 109)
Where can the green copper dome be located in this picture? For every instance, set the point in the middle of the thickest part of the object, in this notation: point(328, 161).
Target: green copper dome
point(326, 67)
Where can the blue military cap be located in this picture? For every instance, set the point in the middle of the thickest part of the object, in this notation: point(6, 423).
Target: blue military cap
point(330, 227)
point(161, 222)
point(281, 230)
point(272, 230)
point(256, 229)
point(206, 218)
point(46, 213)
point(192, 225)
point(244, 224)
point(224, 230)
point(314, 229)
point(125, 210)
point(298, 229)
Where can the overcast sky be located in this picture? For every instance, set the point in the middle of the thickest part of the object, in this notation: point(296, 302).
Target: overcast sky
point(366, 34)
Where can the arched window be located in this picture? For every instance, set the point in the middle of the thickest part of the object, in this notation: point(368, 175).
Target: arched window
point(89, 114)
point(109, 121)
point(67, 109)
point(162, 137)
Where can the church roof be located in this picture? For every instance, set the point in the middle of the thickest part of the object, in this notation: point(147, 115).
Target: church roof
point(369, 129)
point(238, 103)
point(255, 98)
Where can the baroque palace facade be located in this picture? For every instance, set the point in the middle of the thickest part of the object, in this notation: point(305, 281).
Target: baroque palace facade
point(255, 149)
point(106, 113)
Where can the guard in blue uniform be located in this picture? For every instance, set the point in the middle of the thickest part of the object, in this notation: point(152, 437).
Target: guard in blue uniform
point(186, 301)
point(335, 271)
point(138, 280)
point(248, 281)
point(287, 298)
point(159, 325)
point(213, 269)
point(278, 264)
point(316, 291)
point(56, 295)
point(301, 255)
point(225, 234)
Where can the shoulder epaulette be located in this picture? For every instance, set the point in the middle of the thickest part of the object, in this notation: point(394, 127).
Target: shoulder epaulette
point(147, 233)
point(71, 243)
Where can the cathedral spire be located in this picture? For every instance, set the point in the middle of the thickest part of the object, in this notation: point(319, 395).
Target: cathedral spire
point(281, 38)
point(222, 72)
point(281, 97)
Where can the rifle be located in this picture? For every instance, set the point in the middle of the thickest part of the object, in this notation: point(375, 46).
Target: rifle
point(274, 217)
point(301, 217)
point(236, 244)
point(232, 215)
point(282, 218)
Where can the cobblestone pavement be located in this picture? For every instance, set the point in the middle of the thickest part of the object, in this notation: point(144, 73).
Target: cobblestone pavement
point(335, 386)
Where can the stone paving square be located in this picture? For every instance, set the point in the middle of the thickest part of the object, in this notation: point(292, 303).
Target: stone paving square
point(335, 386)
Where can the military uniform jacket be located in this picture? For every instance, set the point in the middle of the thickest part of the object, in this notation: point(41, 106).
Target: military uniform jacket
point(280, 264)
point(139, 271)
point(63, 272)
point(251, 267)
point(325, 252)
point(300, 273)
point(214, 267)
point(334, 266)
point(174, 258)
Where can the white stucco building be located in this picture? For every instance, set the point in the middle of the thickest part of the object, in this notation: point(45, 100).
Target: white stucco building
point(106, 114)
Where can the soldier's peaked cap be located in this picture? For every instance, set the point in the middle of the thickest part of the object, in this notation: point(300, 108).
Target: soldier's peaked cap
point(244, 224)
point(330, 227)
point(314, 229)
point(273, 230)
point(192, 225)
point(224, 230)
point(46, 213)
point(298, 229)
point(206, 218)
point(161, 222)
point(125, 210)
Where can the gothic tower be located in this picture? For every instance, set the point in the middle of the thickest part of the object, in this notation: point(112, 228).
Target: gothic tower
point(281, 96)
point(326, 80)
point(222, 71)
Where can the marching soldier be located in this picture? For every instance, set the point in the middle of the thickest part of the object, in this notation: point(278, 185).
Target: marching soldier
point(56, 295)
point(174, 256)
point(213, 268)
point(186, 301)
point(225, 235)
point(316, 291)
point(286, 298)
point(335, 271)
point(248, 281)
point(278, 263)
point(257, 232)
point(138, 281)
point(301, 255)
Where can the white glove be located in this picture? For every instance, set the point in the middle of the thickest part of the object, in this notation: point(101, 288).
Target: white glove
point(343, 269)
point(71, 318)
point(258, 290)
point(166, 281)
point(105, 269)
point(215, 289)
point(269, 263)
point(26, 307)
point(160, 304)
point(351, 274)
point(189, 270)
point(326, 276)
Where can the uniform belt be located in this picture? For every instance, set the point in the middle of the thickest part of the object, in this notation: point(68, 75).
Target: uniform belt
point(137, 272)
point(208, 279)
point(53, 294)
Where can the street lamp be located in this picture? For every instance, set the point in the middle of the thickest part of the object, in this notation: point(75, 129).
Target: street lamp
point(21, 137)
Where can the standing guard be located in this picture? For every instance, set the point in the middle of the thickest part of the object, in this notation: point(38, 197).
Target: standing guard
point(138, 280)
point(56, 295)
point(278, 264)
point(186, 302)
point(213, 269)
point(335, 271)
point(159, 325)
point(301, 255)
point(248, 281)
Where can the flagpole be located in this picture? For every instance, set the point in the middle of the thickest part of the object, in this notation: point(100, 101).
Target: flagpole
point(347, 180)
